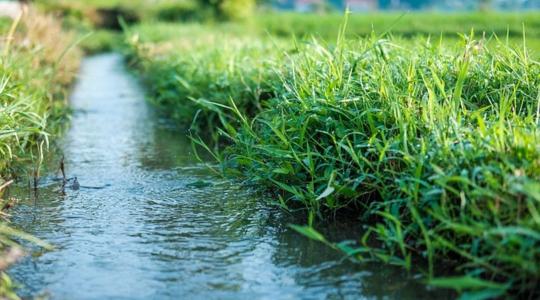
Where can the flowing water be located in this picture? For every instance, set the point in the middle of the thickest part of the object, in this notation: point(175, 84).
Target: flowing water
point(149, 222)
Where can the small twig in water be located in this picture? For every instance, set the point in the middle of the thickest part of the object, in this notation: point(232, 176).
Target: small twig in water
point(5, 185)
point(62, 169)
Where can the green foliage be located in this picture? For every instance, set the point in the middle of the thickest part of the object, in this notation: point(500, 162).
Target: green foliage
point(34, 71)
point(310, 233)
point(198, 75)
point(4, 24)
point(189, 10)
point(98, 41)
point(403, 24)
point(104, 14)
point(7, 287)
point(236, 9)
point(434, 146)
point(440, 146)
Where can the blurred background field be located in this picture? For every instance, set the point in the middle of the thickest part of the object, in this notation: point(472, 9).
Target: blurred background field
point(301, 19)
point(306, 18)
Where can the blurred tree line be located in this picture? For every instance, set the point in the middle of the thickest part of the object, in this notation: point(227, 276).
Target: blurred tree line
point(104, 13)
point(229, 9)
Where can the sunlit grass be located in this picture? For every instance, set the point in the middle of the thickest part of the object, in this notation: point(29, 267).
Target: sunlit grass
point(431, 142)
point(36, 68)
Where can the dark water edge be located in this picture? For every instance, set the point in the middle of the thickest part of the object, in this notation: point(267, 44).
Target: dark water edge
point(150, 222)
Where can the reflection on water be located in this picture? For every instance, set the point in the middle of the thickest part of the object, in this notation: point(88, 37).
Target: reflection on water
point(151, 233)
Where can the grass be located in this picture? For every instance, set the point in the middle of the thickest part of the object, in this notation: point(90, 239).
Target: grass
point(406, 24)
point(35, 72)
point(183, 83)
point(431, 143)
point(101, 17)
point(100, 41)
point(97, 22)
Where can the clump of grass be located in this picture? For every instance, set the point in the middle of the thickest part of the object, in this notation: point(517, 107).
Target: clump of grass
point(100, 41)
point(434, 147)
point(36, 68)
point(196, 77)
point(437, 150)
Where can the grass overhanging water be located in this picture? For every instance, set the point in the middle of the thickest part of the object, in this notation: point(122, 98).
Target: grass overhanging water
point(432, 144)
point(429, 138)
point(37, 65)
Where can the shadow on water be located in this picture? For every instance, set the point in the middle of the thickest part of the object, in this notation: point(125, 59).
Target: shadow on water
point(154, 232)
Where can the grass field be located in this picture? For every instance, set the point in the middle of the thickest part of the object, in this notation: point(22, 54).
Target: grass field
point(430, 141)
point(404, 24)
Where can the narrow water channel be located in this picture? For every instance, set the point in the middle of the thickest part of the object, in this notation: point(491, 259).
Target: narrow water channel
point(155, 224)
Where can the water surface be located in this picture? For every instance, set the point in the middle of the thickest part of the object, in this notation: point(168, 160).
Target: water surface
point(154, 230)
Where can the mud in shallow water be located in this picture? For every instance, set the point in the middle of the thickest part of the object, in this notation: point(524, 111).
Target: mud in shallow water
point(156, 232)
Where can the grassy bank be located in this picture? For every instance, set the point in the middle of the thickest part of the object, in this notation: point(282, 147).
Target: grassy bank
point(432, 144)
point(184, 74)
point(37, 69)
point(35, 73)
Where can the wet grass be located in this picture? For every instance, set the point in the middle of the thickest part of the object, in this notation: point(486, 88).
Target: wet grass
point(35, 72)
point(431, 142)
